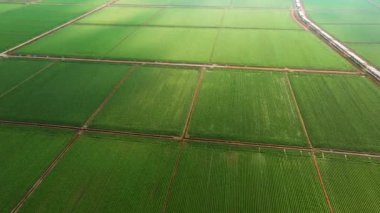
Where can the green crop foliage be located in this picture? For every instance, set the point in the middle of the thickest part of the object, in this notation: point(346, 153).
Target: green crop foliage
point(338, 5)
point(345, 17)
point(279, 4)
point(66, 93)
point(353, 185)
point(24, 23)
point(167, 44)
point(295, 49)
point(339, 111)
point(108, 174)
point(188, 17)
point(121, 15)
point(355, 33)
point(225, 179)
point(155, 100)
point(13, 72)
point(24, 154)
point(80, 40)
point(272, 19)
point(8, 7)
point(247, 106)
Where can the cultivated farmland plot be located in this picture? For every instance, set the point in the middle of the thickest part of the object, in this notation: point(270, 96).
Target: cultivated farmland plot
point(247, 106)
point(152, 100)
point(225, 179)
point(353, 184)
point(109, 174)
point(216, 120)
point(23, 23)
point(21, 166)
point(59, 95)
point(13, 72)
point(339, 111)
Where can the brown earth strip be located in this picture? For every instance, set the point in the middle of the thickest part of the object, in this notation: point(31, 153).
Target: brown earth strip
point(294, 99)
point(193, 139)
point(294, 17)
point(188, 65)
point(193, 104)
point(173, 177)
point(315, 162)
point(26, 80)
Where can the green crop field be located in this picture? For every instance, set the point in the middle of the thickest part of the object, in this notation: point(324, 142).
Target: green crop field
point(339, 5)
point(19, 25)
point(192, 45)
point(121, 16)
point(247, 107)
point(108, 174)
point(8, 7)
point(80, 41)
point(355, 33)
point(225, 179)
point(345, 17)
point(340, 111)
point(66, 93)
point(12, 72)
point(24, 154)
point(188, 106)
point(273, 19)
point(353, 184)
point(295, 49)
point(151, 100)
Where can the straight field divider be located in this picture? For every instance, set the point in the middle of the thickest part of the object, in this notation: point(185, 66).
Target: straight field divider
point(188, 65)
point(173, 176)
point(6, 52)
point(300, 117)
point(70, 144)
point(182, 140)
point(109, 97)
point(50, 168)
point(193, 139)
point(314, 158)
point(27, 79)
point(193, 104)
point(217, 35)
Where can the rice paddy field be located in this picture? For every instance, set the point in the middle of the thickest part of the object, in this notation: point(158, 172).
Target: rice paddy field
point(187, 106)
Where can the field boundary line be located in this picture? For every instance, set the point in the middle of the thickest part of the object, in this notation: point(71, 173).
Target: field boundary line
point(300, 117)
point(217, 35)
point(314, 159)
point(27, 79)
point(188, 65)
point(188, 26)
point(47, 171)
point(193, 139)
point(197, 6)
point(109, 97)
point(193, 104)
point(292, 13)
point(323, 186)
point(69, 145)
point(174, 176)
point(6, 52)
